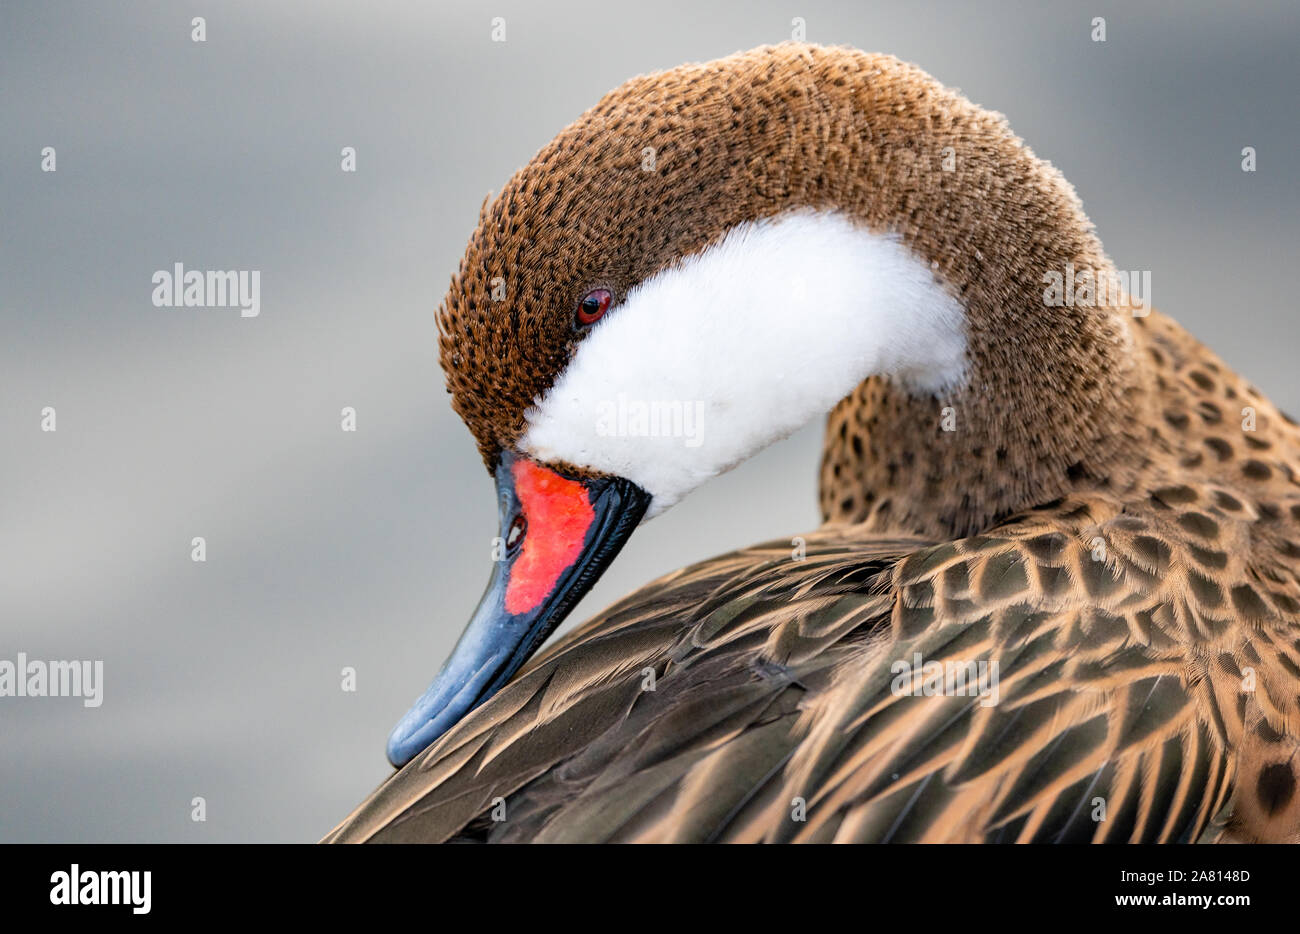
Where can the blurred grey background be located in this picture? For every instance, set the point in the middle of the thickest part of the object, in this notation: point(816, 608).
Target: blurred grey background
point(329, 549)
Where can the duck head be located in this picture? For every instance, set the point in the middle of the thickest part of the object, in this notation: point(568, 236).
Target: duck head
point(701, 264)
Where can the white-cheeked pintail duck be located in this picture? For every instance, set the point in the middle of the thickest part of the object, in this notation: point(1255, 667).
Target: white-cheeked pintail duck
point(1032, 484)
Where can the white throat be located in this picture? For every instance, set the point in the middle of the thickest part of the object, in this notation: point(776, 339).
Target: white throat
point(712, 359)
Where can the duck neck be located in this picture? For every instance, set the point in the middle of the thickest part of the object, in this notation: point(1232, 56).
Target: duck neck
point(955, 464)
point(1053, 398)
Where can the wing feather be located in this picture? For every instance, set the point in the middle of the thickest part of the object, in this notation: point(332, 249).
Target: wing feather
point(1131, 694)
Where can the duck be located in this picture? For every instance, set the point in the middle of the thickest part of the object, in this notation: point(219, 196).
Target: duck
point(1054, 595)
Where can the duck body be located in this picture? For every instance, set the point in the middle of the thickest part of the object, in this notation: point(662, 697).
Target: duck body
point(1055, 596)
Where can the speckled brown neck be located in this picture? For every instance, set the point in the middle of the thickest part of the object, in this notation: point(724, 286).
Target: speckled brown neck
point(1182, 417)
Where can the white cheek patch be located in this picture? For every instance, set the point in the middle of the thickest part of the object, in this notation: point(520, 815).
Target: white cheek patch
point(736, 347)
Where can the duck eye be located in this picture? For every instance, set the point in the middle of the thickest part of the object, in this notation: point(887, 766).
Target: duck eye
point(594, 305)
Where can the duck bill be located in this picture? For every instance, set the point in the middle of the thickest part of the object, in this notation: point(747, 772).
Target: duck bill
point(558, 534)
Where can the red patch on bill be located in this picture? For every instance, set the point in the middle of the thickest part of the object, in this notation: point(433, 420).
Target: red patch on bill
point(559, 515)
